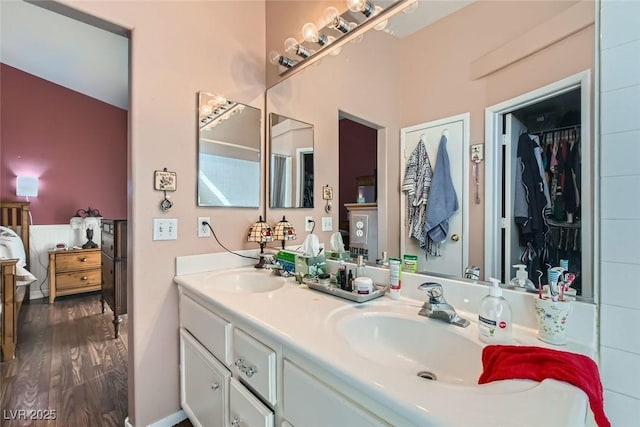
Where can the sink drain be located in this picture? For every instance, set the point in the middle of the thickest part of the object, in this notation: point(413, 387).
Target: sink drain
point(427, 375)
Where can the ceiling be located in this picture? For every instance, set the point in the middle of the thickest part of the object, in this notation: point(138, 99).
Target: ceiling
point(65, 51)
point(95, 61)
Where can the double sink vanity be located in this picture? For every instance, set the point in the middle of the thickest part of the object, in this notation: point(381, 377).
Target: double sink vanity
point(260, 350)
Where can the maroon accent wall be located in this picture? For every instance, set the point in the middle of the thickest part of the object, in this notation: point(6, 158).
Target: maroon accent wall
point(75, 144)
point(358, 157)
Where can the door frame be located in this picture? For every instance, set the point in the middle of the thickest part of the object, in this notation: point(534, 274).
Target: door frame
point(493, 170)
point(465, 118)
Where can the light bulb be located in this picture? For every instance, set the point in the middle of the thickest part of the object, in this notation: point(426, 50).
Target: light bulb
point(206, 109)
point(292, 47)
point(361, 6)
point(333, 20)
point(411, 7)
point(219, 100)
point(383, 24)
point(277, 59)
point(310, 34)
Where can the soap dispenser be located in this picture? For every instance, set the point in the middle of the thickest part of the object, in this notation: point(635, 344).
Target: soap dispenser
point(522, 278)
point(494, 316)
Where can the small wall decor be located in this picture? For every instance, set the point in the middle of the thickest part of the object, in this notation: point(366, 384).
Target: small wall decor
point(165, 181)
point(327, 194)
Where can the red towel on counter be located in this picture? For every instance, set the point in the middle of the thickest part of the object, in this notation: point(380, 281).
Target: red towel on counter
point(506, 362)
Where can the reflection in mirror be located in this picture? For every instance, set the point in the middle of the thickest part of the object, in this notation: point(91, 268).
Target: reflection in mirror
point(474, 71)
point(291, 163)
point(228, 152)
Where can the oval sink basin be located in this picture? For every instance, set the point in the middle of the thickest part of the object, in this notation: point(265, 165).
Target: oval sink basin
point(245, 281)
point(428, 348)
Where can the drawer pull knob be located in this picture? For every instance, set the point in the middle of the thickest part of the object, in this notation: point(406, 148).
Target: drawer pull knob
point(85, 278)
point(83, 259)
point(235, 422)
point(248, 370)
point(215, 386)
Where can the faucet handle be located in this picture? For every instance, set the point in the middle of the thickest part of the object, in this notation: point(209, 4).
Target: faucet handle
point(434, 291)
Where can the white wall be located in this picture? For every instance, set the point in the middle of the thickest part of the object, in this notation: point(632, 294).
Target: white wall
point(620, 209)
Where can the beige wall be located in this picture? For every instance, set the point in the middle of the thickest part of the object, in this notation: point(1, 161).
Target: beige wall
point(177, 49)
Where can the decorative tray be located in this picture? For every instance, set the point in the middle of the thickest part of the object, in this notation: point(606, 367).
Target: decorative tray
point(351, 296)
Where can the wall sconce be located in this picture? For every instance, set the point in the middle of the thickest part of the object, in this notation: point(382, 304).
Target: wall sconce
point(284, 231)
point(27, 186)
point(261, 233)
point(87, 219)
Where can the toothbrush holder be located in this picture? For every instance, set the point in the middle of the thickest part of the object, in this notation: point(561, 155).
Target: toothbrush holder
point(552, 319)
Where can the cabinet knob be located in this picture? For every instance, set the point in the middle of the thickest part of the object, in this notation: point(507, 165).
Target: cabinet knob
point(215, 386)
point(85, 278)
point(245, 368)
point(235, 422)
point(83, 259)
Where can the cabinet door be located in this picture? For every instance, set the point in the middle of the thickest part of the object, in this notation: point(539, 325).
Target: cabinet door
point(245, 410)
point(310, 403)
point(204, 384)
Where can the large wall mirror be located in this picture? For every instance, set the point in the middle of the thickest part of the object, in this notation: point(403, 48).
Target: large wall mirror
point(435, 64)
point(228, 152)
point(291, 174)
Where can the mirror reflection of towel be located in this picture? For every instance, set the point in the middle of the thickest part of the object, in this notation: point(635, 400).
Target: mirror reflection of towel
point(443, 201)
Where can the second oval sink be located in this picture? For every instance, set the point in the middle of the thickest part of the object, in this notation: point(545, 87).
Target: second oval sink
point(245, 280)
point(417, 346)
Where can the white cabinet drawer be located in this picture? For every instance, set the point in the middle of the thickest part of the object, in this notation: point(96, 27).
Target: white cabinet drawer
point(255, 363)
point(204, 384)
point(211, 330)
point(311, 403)
point(245, 410)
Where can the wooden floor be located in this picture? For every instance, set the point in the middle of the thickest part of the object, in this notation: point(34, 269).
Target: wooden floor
point(68, 366)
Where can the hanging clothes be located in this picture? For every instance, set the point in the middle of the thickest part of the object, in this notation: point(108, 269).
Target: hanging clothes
point(530, 203)
point(416, 185)
point(443, 200)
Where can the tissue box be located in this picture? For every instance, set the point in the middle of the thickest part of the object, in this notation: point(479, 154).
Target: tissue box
point(287, 260)
point(312, 266)
point(337, 255)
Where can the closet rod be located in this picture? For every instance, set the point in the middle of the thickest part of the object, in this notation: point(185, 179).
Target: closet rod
point(557, 129)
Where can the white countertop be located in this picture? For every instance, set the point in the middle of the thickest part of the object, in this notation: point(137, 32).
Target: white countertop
point(300, 319)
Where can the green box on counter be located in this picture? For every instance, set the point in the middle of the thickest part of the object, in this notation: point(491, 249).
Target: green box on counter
point(287, 260)
point(409, 263)
point(311, 266)
point(337, 255)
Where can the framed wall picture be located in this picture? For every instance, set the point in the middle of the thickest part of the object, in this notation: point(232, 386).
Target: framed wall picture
point(327, 192)
point(165, 180)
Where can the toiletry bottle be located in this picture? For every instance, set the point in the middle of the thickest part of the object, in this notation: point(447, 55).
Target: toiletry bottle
point(350, 281)
point(360, 267)
point(341, 275)
point(494, 316)
point(395, 281)
point(522, 278)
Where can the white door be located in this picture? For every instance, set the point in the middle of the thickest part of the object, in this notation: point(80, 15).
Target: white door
point(512, 250)
point(454, 251)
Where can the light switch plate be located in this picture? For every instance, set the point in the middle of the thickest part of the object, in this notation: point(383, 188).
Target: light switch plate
point(165, 229)
point(327, 223)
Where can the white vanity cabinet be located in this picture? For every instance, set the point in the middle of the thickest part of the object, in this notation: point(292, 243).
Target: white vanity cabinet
point(204, 384)
point(255, 363)
point(246, 410)
point(309, 402)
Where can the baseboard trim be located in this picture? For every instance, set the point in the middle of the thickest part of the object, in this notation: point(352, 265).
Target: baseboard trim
point(168, 421)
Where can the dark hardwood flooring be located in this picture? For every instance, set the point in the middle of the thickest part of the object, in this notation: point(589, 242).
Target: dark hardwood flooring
point(68, 366)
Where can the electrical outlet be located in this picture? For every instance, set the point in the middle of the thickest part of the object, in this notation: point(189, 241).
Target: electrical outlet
point(327, 223)
point(165, 229)
point(308, 223)
point(204, 230)
point(477, 153)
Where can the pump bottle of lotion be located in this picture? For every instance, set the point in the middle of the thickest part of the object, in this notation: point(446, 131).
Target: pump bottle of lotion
point(494, 316)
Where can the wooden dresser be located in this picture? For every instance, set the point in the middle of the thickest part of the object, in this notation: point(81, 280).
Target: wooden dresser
point(114, 269)
point(73, 272)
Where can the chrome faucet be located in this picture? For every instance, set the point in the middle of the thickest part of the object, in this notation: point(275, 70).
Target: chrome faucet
point(437, 307)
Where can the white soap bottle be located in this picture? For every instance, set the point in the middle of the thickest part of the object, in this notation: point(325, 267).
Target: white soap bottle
point(494, 316)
